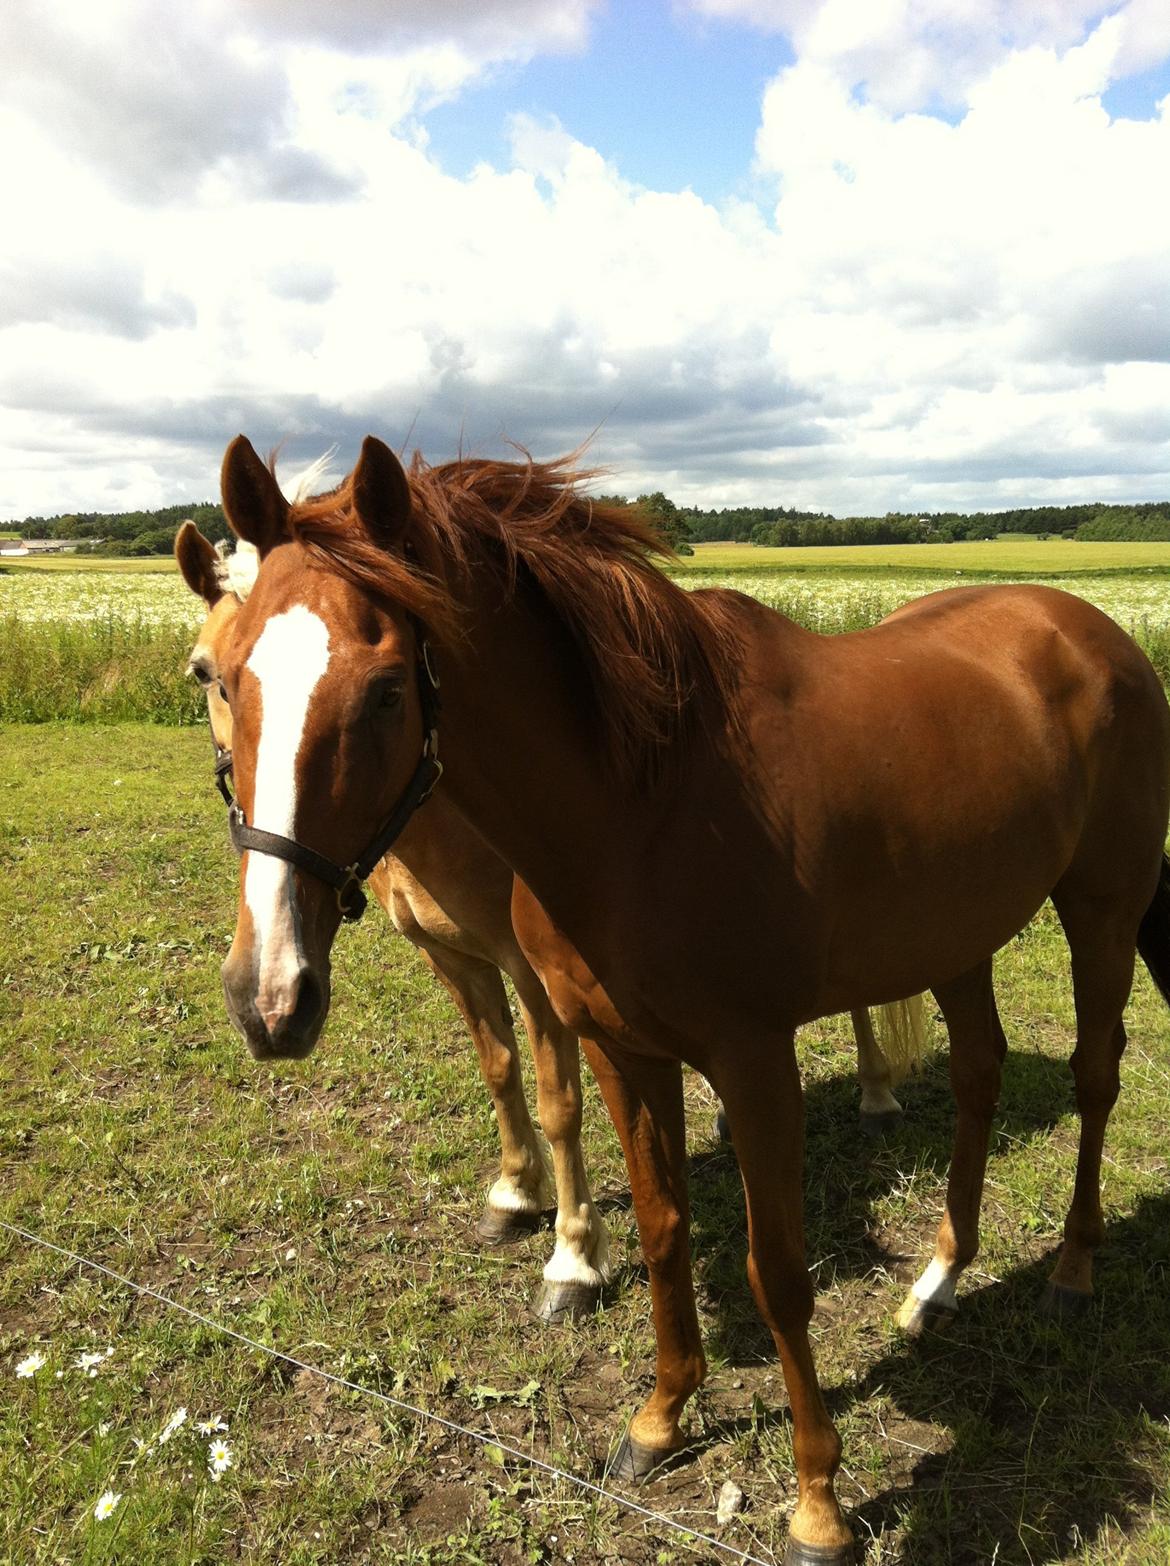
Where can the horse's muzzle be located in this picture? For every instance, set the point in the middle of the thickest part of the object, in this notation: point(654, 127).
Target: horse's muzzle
point(291, 1026)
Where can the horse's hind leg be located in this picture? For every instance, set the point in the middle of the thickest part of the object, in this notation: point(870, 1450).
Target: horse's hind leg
point(1102, 972)
point(579, 1266)
point(978, 1047)
point(763, 1100)
point(519, 1196)
point(880, 1110)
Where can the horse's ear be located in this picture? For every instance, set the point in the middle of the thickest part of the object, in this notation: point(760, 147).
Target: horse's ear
point(252, 501)
point(381, 495)
point(197, 561)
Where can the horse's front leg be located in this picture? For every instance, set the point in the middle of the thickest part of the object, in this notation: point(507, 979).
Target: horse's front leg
point(645, 1101)
point(520, 1193)
point(765, 1110)
point(579, 1265)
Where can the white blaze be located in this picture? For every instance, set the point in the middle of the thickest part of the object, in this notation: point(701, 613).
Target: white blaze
point(288, 660)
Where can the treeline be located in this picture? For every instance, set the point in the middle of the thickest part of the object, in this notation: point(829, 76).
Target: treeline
point(1149, 521)
point(128, 532)
point(153, 532)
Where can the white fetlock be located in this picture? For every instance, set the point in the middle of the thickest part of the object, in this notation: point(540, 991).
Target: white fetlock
point(508, 1196)
point(584, 1261)
point(935, 1290)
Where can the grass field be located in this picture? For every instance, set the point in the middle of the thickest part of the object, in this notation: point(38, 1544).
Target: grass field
point(109, 642)
point(136, 565)
point(1021, 556)
point(327, 1207)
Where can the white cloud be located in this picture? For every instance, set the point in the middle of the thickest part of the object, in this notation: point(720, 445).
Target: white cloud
point(249, 232)
point(906, 54)
point(487, 30)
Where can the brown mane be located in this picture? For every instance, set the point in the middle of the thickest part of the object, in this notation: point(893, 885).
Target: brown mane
point(651, 651)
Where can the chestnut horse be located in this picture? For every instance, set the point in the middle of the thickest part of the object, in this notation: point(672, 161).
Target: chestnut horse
point(722, 826)
point(450, 895)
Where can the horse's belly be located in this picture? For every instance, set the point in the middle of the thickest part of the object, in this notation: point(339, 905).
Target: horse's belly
point(918, 920)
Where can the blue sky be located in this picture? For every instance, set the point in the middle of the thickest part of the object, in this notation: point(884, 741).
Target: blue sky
point(838, 254)
point(673, 100)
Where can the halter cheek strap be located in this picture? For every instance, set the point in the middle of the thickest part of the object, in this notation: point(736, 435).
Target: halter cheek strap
point(346, 880)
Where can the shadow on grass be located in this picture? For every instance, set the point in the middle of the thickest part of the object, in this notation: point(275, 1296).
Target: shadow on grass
point(1049, 1422)
point(846, 1175)
point(1047, 1427)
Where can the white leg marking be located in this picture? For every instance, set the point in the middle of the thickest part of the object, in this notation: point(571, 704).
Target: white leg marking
point(937, 1286)
point(582, 1250)
point(509, 1196)
point(288, 660)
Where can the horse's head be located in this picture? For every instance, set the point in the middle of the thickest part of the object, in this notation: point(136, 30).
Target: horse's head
point(208, 576)
point(325, 686)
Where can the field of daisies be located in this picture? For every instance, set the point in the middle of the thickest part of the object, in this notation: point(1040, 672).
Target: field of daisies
point(111, 645)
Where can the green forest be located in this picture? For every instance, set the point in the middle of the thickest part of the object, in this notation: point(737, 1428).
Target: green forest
point(128, 532)
point(153, 532)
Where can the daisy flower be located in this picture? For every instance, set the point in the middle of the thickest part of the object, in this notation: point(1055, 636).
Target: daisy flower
point(211, 1426)
point(177, 1420)
point(219, 1458)
point(29, 1366)
point(106, 1505)
point(89, 1363)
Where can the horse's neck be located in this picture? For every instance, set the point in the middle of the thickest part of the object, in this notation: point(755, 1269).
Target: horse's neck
point(520, 752)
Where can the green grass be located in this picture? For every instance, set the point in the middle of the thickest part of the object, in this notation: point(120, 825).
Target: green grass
point(136, 565)
point(110, 668)
point(110, 645)
point(326, 1207)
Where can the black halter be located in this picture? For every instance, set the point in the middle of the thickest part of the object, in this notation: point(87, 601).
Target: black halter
point(346, 880)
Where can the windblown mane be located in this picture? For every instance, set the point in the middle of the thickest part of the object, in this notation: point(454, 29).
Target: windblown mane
point(650, 650)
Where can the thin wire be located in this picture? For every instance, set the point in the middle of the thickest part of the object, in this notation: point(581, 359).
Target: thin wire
point(384, 1397)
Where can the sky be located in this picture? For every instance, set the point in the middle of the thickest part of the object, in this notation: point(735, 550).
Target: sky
point(845, 255)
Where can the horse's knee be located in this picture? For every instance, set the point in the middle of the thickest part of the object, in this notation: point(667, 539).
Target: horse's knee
point(661, 1234)
point(783, 1294)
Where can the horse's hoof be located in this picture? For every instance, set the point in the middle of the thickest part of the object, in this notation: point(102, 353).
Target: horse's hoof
point(918, 1317)
point(503, 1226)
point(798, 1554)
point(571, 1301)
point(634, 1463)
point(880, 1125)
point(722, 1125)
point(1059, 1303)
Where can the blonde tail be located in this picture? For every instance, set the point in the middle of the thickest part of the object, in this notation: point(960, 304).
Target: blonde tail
point(901, 1036)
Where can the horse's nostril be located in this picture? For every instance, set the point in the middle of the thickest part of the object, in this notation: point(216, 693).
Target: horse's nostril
point(308, 1003)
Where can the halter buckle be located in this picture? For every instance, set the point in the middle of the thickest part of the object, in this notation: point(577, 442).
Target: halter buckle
point(351, 900)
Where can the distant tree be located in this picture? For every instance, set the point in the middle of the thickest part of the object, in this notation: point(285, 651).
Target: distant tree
point(668, 520)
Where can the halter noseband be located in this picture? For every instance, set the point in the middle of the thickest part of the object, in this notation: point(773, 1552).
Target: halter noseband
point(346, 880)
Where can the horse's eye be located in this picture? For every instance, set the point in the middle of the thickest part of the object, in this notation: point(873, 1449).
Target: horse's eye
point(202, 673)
point(223, 695)
point(390, 696)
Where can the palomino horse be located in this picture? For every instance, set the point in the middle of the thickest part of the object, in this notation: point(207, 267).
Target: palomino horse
point(721, 825)
point(450, 895)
